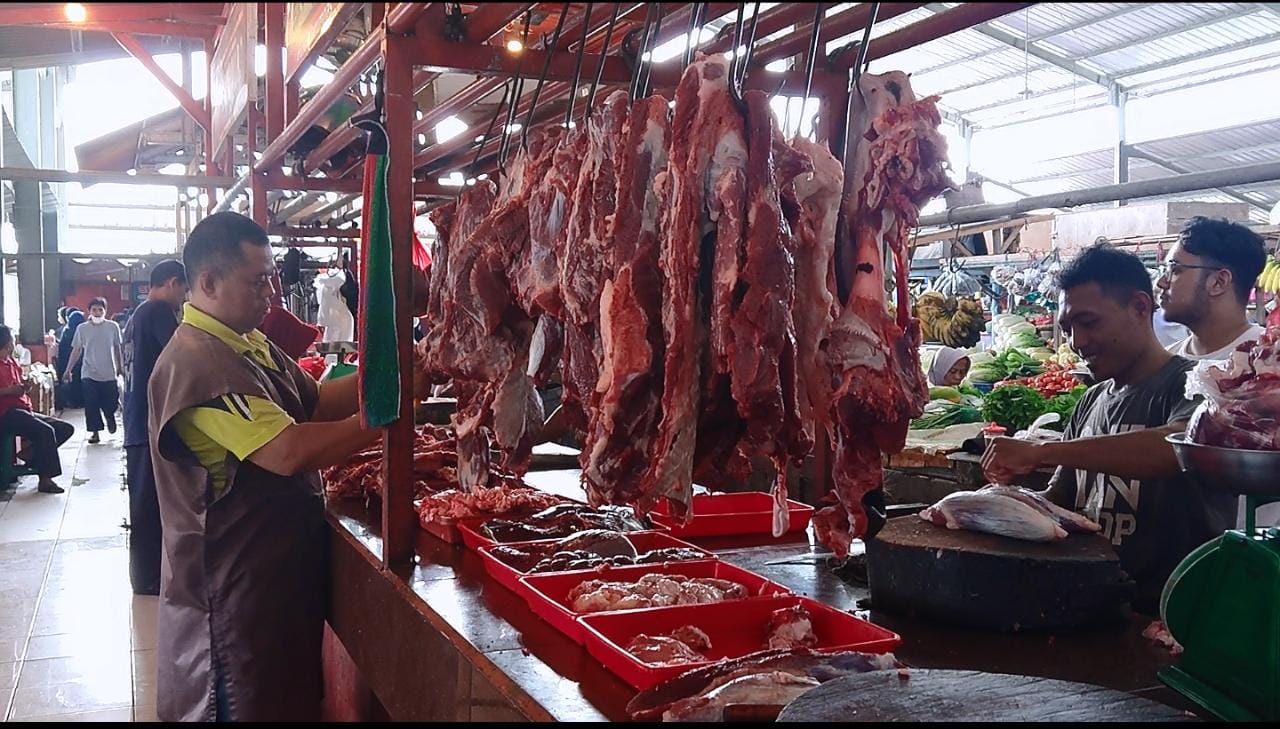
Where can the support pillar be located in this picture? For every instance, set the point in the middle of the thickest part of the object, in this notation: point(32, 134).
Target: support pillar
point(28, 228)
point(1119, 100)
point(398, 519)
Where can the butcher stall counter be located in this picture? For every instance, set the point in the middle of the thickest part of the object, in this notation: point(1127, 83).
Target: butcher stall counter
point(439, 640)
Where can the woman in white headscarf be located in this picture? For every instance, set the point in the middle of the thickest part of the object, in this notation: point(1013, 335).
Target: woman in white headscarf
point(950, 367)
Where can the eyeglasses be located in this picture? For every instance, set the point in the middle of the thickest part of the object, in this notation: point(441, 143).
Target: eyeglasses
point(1169, 268)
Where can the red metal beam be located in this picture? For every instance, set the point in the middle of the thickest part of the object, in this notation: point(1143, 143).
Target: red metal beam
point(285, 231)
point(399, 522)
point(135, 49)
point(771, 21)
point(484, 23)
point(485, 59)
point(958, 18)
point(403, 16)
point(55, 13)
point(143, 27)
point(210, 165)
point(840, 24)
point(257, 186)
point(339, 23)
point(358, 63)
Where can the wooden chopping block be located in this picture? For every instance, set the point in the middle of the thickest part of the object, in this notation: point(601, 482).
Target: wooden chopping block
point(921, 694)
point(977, 580)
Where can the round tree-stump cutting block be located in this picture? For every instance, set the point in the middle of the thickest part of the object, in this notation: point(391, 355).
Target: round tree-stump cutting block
point(980, 580)
point(921, 694)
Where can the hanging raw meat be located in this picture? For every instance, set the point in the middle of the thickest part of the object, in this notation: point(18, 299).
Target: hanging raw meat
point(583, 265)
point(629, 390)
point(898, 164)
point(706, 134)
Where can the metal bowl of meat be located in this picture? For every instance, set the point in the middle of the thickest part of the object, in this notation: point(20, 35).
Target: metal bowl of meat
point(1234, 470)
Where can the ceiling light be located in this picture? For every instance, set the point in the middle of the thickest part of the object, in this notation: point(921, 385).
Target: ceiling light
point(513, 128)
point(449, 128)
point(514, 45)
point(75, 12)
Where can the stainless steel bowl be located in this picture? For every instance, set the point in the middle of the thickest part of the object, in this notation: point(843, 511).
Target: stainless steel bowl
point(1233, 470)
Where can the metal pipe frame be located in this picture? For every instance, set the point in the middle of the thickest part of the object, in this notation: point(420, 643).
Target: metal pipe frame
point(483, 24)
point(136, 49)
point(1177, 184)
point(833, 27)
point(90, 177)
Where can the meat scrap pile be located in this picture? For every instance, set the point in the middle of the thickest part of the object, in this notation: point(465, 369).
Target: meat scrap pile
point(590, 549)
point(680, 273)
point(560, 521)
point(511, 502)
point(435, 463)
point(652, 590)
point(787, 629)
point(1009, 512)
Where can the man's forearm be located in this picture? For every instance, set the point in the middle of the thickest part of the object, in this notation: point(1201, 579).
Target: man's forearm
point(310, 446)
point(338, 399)
point(1141, 454)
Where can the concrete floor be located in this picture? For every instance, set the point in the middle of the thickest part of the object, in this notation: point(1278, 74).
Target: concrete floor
point(75, 643)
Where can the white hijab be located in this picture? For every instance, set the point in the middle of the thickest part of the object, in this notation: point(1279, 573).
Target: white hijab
point(943, 361)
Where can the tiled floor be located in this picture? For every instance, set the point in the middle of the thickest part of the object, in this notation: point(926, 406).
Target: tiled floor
point(75, 644)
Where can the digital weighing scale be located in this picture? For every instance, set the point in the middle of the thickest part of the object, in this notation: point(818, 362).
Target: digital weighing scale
point(1222, 603)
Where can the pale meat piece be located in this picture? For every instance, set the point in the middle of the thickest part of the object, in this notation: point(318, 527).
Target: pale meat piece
point(873, 358)
point(623, 426)
point(653, 590)
point(663, 650)
point(771, 688)
point(1069, 520)
point(789, 628)
point(994, 514)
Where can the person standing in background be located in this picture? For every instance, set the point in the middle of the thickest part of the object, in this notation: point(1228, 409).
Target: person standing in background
point(145, 336)
point(99, 345)
point(70, 394)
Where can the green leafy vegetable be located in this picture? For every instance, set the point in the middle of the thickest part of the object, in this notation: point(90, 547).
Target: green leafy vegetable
point(950, 415)
point(1064, 404)
point(1013, 406)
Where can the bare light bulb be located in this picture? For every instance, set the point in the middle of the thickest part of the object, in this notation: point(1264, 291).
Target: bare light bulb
point(75, 12)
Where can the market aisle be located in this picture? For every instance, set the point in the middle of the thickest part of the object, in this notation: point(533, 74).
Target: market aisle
point(75, 644)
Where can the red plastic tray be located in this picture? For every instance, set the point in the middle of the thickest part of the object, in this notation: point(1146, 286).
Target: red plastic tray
point(735, 629)
point(547, 592)
point(450, 531)
point(718, 515)
point(474, 540)
point(509, 577)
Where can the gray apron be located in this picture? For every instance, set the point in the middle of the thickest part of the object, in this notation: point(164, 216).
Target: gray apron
point(243, 577)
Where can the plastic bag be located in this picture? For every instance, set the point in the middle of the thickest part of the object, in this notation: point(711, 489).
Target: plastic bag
point(1241, 407)
point(1039, 431)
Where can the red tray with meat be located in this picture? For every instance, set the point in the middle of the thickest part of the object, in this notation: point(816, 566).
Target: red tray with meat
point(718, 515)
point(555, 522)
point(560, 598)
point(442, 513)
point(673, 640)
point(507, 563)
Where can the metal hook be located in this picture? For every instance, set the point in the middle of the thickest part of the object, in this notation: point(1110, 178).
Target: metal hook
point(809, 64)
point(542, 79)
point(861, 68)
point(648, 69)
point(506, 96)
point(577, 65)
point(517, 90)
point(739, 59)
point(604, 55)
point(645, 30)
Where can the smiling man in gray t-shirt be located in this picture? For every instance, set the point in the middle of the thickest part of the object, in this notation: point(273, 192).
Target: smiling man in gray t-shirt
point(1113, 462)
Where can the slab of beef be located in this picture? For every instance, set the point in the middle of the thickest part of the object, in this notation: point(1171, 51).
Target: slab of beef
point(763, 361)
point(874, 358)
point(622, 426)
point(705, 126)
point(537, 282)
point(586, 258)
point(817, 194)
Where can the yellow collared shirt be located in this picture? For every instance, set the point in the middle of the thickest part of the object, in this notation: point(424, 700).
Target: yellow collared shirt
point(235, 424)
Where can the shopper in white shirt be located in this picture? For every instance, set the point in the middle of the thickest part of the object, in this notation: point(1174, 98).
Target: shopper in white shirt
point(1205, 283)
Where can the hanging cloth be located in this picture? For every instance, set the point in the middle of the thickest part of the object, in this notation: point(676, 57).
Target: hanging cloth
point(379, 351)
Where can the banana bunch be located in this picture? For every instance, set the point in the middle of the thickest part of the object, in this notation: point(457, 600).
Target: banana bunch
point(954, 322)
point(1269, 279)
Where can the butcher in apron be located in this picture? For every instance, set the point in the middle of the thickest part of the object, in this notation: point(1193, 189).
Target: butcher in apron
point(238, 433)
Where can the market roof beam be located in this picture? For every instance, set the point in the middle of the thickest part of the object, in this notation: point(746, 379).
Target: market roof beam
point(1203, 23)
point(1175, 167)
point(328, 209)
point(55, 13)
point(88, 177)
point(942, 23)
point(494, 18)
point(841, 24)
point(197, 112)
point(1032, 49)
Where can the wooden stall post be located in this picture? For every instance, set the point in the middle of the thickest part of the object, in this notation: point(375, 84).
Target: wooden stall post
point(257, 184)
point(210, 166)
point(398, 519)
point(274, 80)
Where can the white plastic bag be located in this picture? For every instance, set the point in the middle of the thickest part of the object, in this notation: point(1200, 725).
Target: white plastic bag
point(1038, 431)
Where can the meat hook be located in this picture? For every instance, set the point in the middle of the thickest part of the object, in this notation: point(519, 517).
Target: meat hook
point(542, 80)
point(604, 55)
point(577, 65)
point(809, 64)
point(638, 76)
point(648, 70)
point(517, 90)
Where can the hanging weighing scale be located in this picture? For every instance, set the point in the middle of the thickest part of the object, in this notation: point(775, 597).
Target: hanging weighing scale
point(1222, 603)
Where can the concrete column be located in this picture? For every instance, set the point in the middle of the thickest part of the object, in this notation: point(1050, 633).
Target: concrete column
point(28, 227)
point(1119, 100)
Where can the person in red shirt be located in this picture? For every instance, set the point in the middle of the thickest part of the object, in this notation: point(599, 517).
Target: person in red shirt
point(44, 434)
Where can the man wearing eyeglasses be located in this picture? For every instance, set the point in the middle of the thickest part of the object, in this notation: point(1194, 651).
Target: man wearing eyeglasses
point(1205, 283)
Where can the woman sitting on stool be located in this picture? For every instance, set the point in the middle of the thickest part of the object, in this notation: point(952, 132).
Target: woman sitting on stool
point(44, 434)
